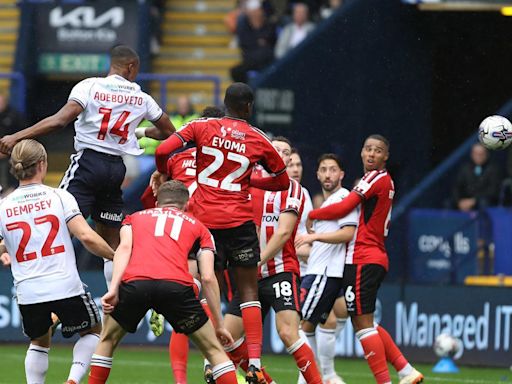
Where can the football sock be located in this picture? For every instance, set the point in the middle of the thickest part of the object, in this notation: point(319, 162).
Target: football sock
point(310, 338)
point(82, 353)
point(100, 369)
point(305, 360)
point(393, 353)
point(405, 371)
point(36, 364)
point(326, 342)
point(108, 266)
point(340, 326)
point(206, 308)
point(224, 373)
point(251, 317)
point(238, 354)
point(178, 355)
point(375, 354)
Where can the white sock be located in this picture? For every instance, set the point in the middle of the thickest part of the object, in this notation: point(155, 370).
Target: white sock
point(107, 271)
point(310, 339)
point(407, 370)
point(82, 353)
point(340, 326)
point(36, 364)
point(255, 362)
point(326, 341)
point(205, 363)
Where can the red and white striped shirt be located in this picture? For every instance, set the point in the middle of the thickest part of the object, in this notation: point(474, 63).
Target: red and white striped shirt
point(267, 206)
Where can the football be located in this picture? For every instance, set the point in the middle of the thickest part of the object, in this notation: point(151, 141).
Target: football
point(446, 345)
point(495, 132)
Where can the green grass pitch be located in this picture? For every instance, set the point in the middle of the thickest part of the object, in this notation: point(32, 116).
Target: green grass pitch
point(144, 365)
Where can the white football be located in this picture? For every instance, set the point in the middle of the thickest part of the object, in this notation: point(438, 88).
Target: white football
point(495, 132)
point(446, 345)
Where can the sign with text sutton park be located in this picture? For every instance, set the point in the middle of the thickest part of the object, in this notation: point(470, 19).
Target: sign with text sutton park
point(91, 27)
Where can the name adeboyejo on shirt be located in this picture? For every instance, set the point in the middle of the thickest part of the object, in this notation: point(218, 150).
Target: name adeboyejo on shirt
point(121, 99)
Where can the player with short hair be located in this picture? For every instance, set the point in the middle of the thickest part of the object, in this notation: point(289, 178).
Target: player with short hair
point(36, 223)
point(227, 150)
point(277, 215)
point(322, 284)
point(108, 109)
point(151, 271)
point(367, 262)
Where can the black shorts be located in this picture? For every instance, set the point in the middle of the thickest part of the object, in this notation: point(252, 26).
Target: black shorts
point(317, 296)
point(77, 314)
point(280, 292)
point(238, 246)
point(177, 302)
point(95, 179)
point(361, 283)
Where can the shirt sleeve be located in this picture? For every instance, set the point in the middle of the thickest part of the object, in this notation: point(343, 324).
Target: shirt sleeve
point(154, 112)
point(368, 186)
point(127, 220)
point(271, 160)
point(188, 132)
point(351, 219)
point(69, 204)
point(294, 198)
point(206, 241)
point(81, 92)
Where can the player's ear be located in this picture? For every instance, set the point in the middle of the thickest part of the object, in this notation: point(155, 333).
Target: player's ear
point(342, 175)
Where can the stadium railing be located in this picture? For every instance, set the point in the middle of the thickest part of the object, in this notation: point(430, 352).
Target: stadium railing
point(18, 90)
point(163, 79)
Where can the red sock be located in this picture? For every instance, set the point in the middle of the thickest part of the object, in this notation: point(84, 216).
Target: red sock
point(251, 316)
point(240, 358)
point(393, 353)
point(374, 354)
point(178, 354)
point(98, 375)
point(224, 373)
point(305, 360)
point(206, 308)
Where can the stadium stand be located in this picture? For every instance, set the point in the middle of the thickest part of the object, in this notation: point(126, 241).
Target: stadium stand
point(195, 42)
point(9, 21)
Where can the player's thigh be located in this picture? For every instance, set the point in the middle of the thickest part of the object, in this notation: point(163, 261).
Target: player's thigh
point(36, 319)
point(77, 314)
point(318, 294)
point(108, 209)
point(361, 283)
point(241, 245)
point(340, 308)
point(281, 292)
point(180, 306)
point(135, 299)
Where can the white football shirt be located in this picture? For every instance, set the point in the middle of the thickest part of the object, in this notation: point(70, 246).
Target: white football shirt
point(301, 230)
point(33, 226)
point(325, 258)
point(113, 108)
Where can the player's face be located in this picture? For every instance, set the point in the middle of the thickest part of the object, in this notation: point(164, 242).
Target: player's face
point(374, 155)
point(294, 168)
point(284, 150)
point(329, 175)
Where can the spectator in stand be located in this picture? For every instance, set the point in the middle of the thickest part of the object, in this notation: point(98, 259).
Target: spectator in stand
point(296, 31)
point(478, 182)
point(327, 11)
point(11, 121)
point(256, 38)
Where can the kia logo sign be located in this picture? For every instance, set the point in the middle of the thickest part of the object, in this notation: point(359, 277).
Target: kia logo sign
point(85, 17)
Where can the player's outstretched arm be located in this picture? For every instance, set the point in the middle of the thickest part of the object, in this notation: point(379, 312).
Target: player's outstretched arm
point(285, 226)
point(271, 183)
point(210, 285)
point(63, 117)
point(162, 128)
point(93, 242)
point(163, 151)
point(337, 210)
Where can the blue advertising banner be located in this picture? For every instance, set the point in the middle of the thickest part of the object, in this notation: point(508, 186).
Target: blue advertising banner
point(442, 245)
point(413, 315)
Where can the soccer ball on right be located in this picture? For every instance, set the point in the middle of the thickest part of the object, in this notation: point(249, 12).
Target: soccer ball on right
point(446, 345)
point(495, 132)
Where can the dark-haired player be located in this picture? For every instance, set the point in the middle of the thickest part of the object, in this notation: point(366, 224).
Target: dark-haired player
point(227, 150)
point(108, 109)
point(151, 271)
point(367, 263)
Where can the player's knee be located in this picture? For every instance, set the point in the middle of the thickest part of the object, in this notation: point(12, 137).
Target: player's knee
point(288, 334)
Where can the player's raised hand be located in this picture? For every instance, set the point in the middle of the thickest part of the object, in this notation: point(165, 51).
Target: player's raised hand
point(109, 301)
point(157, 179)
point(224, 336)
point(7, 143)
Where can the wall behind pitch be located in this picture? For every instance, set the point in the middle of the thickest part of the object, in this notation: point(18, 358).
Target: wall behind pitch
point(414, 315)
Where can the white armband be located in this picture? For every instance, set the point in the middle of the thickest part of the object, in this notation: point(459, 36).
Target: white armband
point(140, 132)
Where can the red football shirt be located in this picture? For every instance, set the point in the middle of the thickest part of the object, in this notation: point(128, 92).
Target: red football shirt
point(267, 206)
point(162, 241)
point(227, 150)
point(181, 167)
